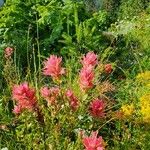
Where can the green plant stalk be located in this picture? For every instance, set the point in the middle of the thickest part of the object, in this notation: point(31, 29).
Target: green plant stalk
point(106, 123)
point(28, 57)
point(35, 71)
point(68, 25)
point(137, 59)
point(76, 20)
point(15, 60)
point(15, 64)
point(38, 47)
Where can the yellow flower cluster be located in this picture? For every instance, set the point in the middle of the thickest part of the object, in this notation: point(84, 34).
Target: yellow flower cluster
point(148, 85)
point(127, 110)
point(145, 107)
point(145, 76)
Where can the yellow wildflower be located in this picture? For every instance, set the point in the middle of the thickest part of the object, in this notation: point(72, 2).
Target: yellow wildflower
point(148, 85)
point(145, 76)
point(127, 110)
point(145, 107)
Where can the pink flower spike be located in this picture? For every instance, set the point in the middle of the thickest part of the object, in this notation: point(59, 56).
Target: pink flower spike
point(52, 67)
point(24, 97)
point(45, 92)
point(8, 52)
point(73, 101)
point(50, 94)
point(55, 91)
point(86, 77)
point(97, 108)
point(69, 93)
point(89, 60)
point(93, 142)
point(17, 110)
point(108, 68)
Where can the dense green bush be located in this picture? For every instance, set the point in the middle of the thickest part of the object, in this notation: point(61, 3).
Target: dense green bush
point(50, 26)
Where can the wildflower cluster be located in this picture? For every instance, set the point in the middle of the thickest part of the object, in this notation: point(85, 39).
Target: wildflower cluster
point(97, 108)
point(56, 96)
point(24, 97)
point(108, 68)
point(8, 52)
point(86, 75)
point(93, 142)
point(145, 107)
point(128, 110)
point(50, 94)
point(143, 76)
point(52, 67)
point(73, 101)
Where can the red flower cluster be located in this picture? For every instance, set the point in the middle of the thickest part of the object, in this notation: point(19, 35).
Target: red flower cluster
point(86, 78)
point(8, 52)
point(52, 67)
point(73, 101)
point(97, 108)
point(50, 94)
point(108, 68)
point(24, 97)
point(93, 142)
point(89, 60)
point(86, 75)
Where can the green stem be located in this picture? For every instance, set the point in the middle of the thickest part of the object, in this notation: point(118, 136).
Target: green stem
point(38, 47)
point(105, 123)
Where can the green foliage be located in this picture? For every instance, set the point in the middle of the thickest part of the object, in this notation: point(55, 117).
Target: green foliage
point(129, 8)
point(134, 41)
point(46, 26)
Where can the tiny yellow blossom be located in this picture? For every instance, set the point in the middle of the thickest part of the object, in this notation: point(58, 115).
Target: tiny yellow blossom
point(145, 107)
point(127, 110)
